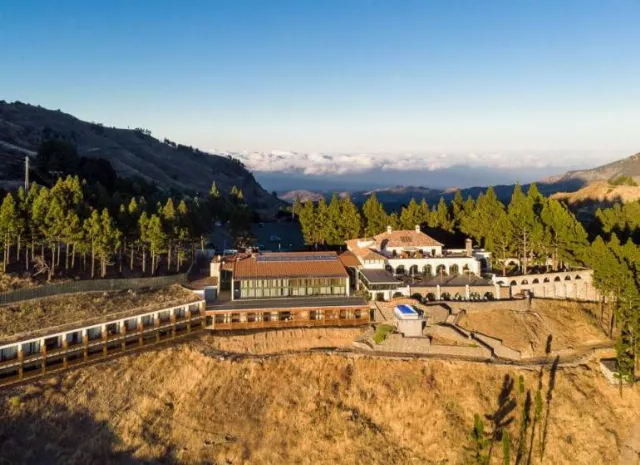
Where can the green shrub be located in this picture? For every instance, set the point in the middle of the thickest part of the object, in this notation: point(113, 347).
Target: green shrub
point(623, 181)
point(381, 333)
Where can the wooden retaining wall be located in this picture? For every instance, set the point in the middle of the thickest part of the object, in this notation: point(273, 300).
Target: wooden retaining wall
point(35, 356)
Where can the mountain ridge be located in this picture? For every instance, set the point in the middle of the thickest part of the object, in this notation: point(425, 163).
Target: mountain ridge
point(132, 152)
point(567, 183)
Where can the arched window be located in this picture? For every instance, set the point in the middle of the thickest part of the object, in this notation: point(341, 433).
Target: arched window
point(441, 270)
point(546, 280)
point(514, 283)
point(427, 270)
point(400, 270)
point(567, 278)
point(413, 271)
point(389, 268)
point(524, 281)
point(557, 279)
point(535, 281)
point(466, 270)
point(578, 277)
point(454, 269)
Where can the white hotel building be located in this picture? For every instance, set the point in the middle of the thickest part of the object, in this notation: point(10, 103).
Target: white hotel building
point(383, 260)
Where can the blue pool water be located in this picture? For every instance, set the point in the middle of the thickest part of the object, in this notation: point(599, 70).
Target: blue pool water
point(406, 310)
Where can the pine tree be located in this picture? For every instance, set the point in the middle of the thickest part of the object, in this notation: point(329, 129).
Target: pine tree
point(525, 226)
point(500, 241)
point(108, 242)
point(169, 223)
point(307, 220)
point(465, 218)
point(213, 192)
point(442, 218)
point(457, 210)
point(424, 212)
point(374, 215)
point(411, 215)
point(563, 234)
point(351, 219)
point(21, 220)
point(478, 450)
point(297, 207)
point(334, 234)
point(8, 226)
point(394, 221)
point(92, 230)
point(143, 226)
point(617, 276)
point(157, 240)
point(321, 232)
point(183, 230)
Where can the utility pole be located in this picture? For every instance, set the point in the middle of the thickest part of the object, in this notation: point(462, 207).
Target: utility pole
point(26, 174)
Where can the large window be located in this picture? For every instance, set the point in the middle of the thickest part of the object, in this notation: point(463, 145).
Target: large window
point(299, 287)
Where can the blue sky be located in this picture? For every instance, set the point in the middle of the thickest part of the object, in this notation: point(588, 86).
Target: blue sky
point(550, 78)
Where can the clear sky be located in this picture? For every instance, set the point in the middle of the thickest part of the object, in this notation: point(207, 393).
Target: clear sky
point(337, 75)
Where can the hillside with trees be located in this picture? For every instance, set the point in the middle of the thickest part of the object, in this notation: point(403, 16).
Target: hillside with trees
point(133, 154)
point(540, 232)
point(91, 223)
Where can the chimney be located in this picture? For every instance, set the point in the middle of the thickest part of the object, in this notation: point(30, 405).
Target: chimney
point(468, 247)
point(389, 229)
point(214, 268)
point(417, 228)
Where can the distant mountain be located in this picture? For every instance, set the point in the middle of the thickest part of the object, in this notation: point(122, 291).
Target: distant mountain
point(629, 167)
point(570, 182)
point(302, 195)
point(131, 152)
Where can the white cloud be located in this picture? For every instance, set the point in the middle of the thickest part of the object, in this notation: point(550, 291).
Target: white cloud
point(325, 164)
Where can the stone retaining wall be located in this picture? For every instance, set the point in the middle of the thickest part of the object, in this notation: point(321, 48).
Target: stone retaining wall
point(521, 305)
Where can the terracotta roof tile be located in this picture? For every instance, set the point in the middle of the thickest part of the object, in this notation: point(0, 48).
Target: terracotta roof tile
point(290, 265)
point(408, 238)
point(348, 258)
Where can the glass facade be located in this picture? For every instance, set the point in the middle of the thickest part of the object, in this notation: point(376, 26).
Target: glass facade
point(290, 287)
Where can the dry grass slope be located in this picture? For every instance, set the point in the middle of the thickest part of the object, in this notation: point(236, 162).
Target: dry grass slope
point(181, 406)
point(570, 324)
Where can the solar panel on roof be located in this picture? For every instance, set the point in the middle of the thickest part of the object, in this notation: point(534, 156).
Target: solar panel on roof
point(295, 258)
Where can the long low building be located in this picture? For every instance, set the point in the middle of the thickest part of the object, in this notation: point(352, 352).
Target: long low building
point(283, 289)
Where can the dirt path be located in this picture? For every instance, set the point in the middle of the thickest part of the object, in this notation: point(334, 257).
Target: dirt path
point(630, 449)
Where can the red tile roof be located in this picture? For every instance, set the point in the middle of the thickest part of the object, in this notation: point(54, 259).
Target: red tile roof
point(408, 238)
point(348, 258)
point(289, 265)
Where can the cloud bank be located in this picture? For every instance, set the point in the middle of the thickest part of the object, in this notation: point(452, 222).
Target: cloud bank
point(324, 164)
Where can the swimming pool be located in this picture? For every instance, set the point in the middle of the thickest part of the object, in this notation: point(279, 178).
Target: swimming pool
point(406, 309)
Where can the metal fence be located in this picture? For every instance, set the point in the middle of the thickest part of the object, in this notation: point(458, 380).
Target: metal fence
point(96, 285)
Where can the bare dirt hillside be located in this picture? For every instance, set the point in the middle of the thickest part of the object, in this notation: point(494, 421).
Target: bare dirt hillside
point(187, 405)
point(602, 192)
point(268, 342)
point(571, 325)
